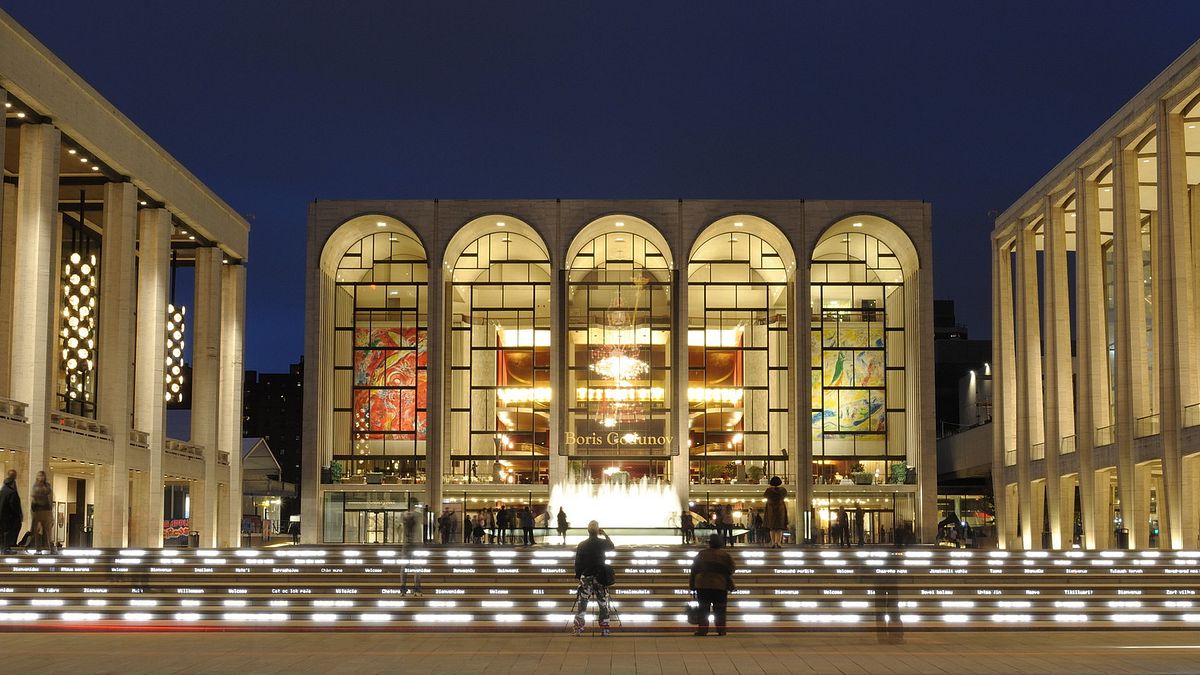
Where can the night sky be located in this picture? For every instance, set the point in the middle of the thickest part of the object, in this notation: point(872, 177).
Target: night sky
point(275, 104)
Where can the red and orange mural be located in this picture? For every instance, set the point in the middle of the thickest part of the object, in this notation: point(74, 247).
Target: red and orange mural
point(390, 357)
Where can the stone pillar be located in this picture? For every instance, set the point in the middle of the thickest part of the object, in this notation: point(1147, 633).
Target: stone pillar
point(1176, 332)
point(1003, 410)
point(1066, 510)
point(37, 267)
point(229, 425)
point(679, 419)
point(154, 270)
point(1093, 405)
point(561, 394)
point(1139, 512)
point(1037, 512)
point(800, 457)
point(206, 389)
point(1029, 377)
point(8, 244)
point(1104, 508)
point(1132, 396)
point(114, 362)
point(436, 390)
point(919, 387)
point(1059, 399)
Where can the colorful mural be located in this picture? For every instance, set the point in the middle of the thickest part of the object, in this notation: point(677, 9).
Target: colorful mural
point(389, 357)
point(849, 355)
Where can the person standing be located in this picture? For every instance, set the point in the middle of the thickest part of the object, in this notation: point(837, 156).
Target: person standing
point(686, 528)
point(775, 519)
point(10, 512)
point(563, 525)
point(592, 571)
point(502, 523)
point(711, 580)
point(526, 525)
point(843, 520)
point(727, 523)
point(489, 524)
point(294, 530)
point(41, 507)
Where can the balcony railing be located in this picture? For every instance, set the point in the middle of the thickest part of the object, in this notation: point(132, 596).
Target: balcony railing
point(181, 449)
point(12, 410)
point(1105, 436)
point(139, 439)
point(82, 426)
point(1145, 426)
point(1010, 457)
point(1191, 415)
point(1038, 451)
point(223, 458)
point(1067, 445)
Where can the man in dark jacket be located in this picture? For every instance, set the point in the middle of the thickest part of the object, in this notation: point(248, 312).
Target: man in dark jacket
point(10, 512)
point(590, 571)
point(527, 526)
point(502, 523)
point(712, 579)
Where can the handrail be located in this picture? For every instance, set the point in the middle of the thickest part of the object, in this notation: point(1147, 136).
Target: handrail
point(1191, 415)
point(139, 439)
point(1145, 426)
point(1066, 445)
point(1038, 451)
point(13, 410)
point(182, 449)
point(223, 458)
point(1105, 436)
point(74, 424)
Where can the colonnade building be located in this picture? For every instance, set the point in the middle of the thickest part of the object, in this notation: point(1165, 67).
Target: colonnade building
point(1096, 356)
point(96, 217)
point(468, 354)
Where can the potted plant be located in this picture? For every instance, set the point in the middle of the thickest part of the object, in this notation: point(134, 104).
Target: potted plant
point(860, 474)
point(335, 471)
point(755, 473)
point(899, 473)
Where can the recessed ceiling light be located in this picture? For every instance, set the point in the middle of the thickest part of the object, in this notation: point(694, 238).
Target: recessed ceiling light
point(83, 160)
point(192, 236)
point(143, 202)
point(7, 104)
point(380, 224)
point(71, 151)
point(224, 261)
point(856, 224)
point(620, 239)
point(738, 224)
point(500, 223)
point(95, 168)
point(21, 115)
point(619, 224)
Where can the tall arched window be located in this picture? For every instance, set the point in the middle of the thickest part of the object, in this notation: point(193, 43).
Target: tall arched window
point(619, 353)
point(738, 354)
point(499, 354)
point(380, 314)
point(861, 395)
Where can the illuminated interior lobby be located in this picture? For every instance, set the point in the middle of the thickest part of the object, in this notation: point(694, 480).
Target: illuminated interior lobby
point(623, 359)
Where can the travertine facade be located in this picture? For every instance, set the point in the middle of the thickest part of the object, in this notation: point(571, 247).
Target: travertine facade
point(1097, 394)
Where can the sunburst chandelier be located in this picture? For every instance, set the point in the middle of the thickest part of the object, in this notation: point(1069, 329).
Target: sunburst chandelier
point(618, 363)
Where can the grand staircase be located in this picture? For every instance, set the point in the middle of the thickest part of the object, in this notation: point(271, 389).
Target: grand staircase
point(532, 589)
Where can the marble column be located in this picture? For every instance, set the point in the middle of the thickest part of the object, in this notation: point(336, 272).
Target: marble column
point(677, 390)
point(1059, 400)
point(1176, 332)
point(1093, 405)
point(1132, 396)
point(114, 362)
point(1003, 401)
point(1029, 379)
point(232, 375)
point(154, 270)
point(37, 265)
point(800, 457)
point(206, 389)
point(561, 394)
point(436, 390)
point(8, 243)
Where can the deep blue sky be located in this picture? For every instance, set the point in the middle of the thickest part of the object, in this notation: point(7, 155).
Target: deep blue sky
point(275, 104)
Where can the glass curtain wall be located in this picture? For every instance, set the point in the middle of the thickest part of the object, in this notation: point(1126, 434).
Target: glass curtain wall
point(500, 362)
point(78, 323)
point(858, 362)
point(619, 360)
point(380, 360)
point(737, 361)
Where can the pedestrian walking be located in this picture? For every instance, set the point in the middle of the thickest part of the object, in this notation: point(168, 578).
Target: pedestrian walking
point(294, 530)
point(594, 575)
point(687, 528)
point(11, 514)
point(41, 509)
point(563, 525)
point(527, 525)
point(711, 580)
point(775, 519)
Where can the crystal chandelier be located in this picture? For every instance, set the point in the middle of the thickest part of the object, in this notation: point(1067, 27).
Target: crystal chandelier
point(78, 334)
point(619, 363)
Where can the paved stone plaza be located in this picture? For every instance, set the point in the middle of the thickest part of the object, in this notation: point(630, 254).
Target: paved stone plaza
point(812, 652)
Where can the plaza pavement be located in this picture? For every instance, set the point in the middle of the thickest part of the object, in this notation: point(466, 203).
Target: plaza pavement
point(246, 653)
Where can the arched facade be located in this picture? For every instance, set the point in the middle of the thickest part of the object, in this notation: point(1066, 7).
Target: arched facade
point(587, 346)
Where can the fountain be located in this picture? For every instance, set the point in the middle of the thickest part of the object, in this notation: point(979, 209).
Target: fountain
point(641, 504)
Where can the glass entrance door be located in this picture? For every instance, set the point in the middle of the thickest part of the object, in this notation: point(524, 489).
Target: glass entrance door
point(373, 526)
